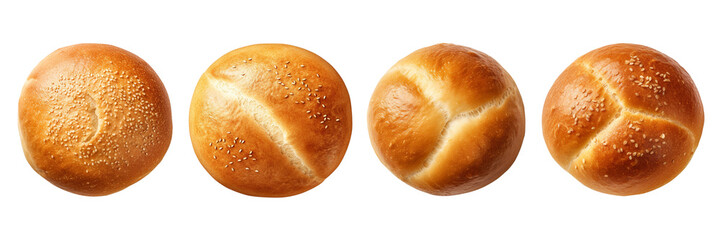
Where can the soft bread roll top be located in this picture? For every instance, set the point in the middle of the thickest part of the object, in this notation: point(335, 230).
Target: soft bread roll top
point(287, 105)
point(650, 82)
point(623, 119)
point(446, 119)
point(94, 119)
point(586, 107)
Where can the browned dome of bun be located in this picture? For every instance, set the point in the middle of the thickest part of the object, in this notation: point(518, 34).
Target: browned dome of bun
point(94, 119)
point(623, 119)
point(446, 119)
point(270, 120)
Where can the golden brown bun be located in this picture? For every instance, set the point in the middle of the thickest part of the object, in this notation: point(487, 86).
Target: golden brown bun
point(270, 120)
point(623, 119)
point(446, 119)
point(94, 119)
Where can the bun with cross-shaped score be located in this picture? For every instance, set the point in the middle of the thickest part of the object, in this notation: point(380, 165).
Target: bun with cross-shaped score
point(623, 119)
point(94, 119)
point(446, 119)
point(270, 120)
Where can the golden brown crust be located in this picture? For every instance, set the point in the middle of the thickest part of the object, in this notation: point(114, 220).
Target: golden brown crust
point(623, 119)
point(94, 119)
point(446, 119)
point(286, 105)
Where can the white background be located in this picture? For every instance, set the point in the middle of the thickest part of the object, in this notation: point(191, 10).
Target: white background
point(533, 40)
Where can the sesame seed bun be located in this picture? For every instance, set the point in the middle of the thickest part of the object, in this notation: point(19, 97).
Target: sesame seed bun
point(623, 119)
point(446, 119)
point(270, 120)
point(94, 119)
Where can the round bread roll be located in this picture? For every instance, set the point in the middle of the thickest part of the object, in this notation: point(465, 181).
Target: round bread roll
point(270, 120)
point(446, 119)
point(623, 119)
point(94, 119)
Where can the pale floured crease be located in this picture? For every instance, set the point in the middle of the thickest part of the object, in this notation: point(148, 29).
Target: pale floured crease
point(623, 107)
point(265, 119)
point(454, 126)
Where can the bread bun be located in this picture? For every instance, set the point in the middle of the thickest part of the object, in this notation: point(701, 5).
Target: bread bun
point(270, 120)
point(623, 119)
point(94, 119)
point(446, 119)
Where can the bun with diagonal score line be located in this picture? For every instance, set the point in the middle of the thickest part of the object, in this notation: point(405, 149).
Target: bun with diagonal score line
point(446, 119)
point(623, 119)
point(270, 120)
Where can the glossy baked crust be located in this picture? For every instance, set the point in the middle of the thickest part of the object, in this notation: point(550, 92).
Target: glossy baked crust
point(94, 119)
point(446, 119)
point(270, 120)
point(623, 119)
